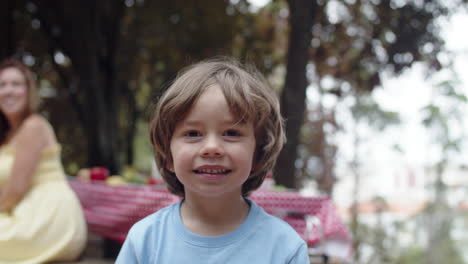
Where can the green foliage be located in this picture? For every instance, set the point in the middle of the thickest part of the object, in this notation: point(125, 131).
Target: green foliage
point(439, 224)
point(144, 155)
point(383, 244)
point(442, 116)
point(414, 254)
point(377, 241)
point(354, 41)
point(154, 40)
point(366, 109)
point(445, 114)
point(448, 88)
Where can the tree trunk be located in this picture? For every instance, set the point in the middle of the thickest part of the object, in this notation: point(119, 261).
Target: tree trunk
point(301, 17)
point(100, 86)
point(355, 170)
point(7, 27)
point(131, 127)
point(87, 32)
point(100, 116)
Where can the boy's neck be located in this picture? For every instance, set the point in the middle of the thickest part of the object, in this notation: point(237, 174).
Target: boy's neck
point(213, 216)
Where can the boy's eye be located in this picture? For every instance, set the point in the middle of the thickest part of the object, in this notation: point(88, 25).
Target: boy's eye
point(193, 134)
point(232, 133)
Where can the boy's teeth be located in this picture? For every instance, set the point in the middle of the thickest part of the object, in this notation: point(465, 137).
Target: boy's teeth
point(212, 171)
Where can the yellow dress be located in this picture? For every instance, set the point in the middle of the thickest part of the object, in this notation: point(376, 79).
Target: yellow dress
point(48, 223)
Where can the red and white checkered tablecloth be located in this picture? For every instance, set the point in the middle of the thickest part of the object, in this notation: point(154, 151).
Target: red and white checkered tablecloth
point(110, 211)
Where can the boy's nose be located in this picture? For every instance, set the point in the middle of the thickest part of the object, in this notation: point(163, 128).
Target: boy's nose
point(212, 147)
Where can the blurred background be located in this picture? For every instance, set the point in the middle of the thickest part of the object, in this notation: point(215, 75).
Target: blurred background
point(373, 92)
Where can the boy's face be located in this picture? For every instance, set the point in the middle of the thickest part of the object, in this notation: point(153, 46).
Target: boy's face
point(212, 153)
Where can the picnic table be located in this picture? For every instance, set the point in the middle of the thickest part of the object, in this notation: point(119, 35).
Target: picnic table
point(110, 211)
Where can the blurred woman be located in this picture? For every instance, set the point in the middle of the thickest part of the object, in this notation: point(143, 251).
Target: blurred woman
point(41, 219)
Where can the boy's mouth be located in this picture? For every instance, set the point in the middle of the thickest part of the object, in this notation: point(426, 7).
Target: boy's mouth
point(212, 171)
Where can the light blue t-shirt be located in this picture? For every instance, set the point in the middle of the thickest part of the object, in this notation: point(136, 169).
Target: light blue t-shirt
point(162, 238)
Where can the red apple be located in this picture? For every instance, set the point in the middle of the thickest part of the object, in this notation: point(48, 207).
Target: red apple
point(98, 173)
point(151, 181)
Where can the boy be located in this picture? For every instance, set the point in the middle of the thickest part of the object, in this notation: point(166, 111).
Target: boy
point(216, 131)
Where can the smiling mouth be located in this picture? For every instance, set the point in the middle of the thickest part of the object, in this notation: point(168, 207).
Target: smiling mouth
point(212, 171)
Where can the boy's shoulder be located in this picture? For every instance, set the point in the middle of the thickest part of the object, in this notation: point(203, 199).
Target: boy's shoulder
point(278, 227)
point(277, 237)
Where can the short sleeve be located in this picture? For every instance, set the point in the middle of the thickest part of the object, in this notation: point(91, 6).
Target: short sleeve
point(301, 256)
point(127, 253)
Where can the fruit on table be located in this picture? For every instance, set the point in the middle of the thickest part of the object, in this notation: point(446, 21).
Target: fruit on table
point(83, 174)
point(115, 180)
point(151, 181)
point(131, 175)
point(98, 173)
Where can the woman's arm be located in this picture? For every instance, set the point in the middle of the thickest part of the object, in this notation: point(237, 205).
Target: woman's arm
point(32, 137)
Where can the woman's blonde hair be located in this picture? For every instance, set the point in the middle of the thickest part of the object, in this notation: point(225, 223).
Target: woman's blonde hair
point(31, 105)
point(250, 99)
